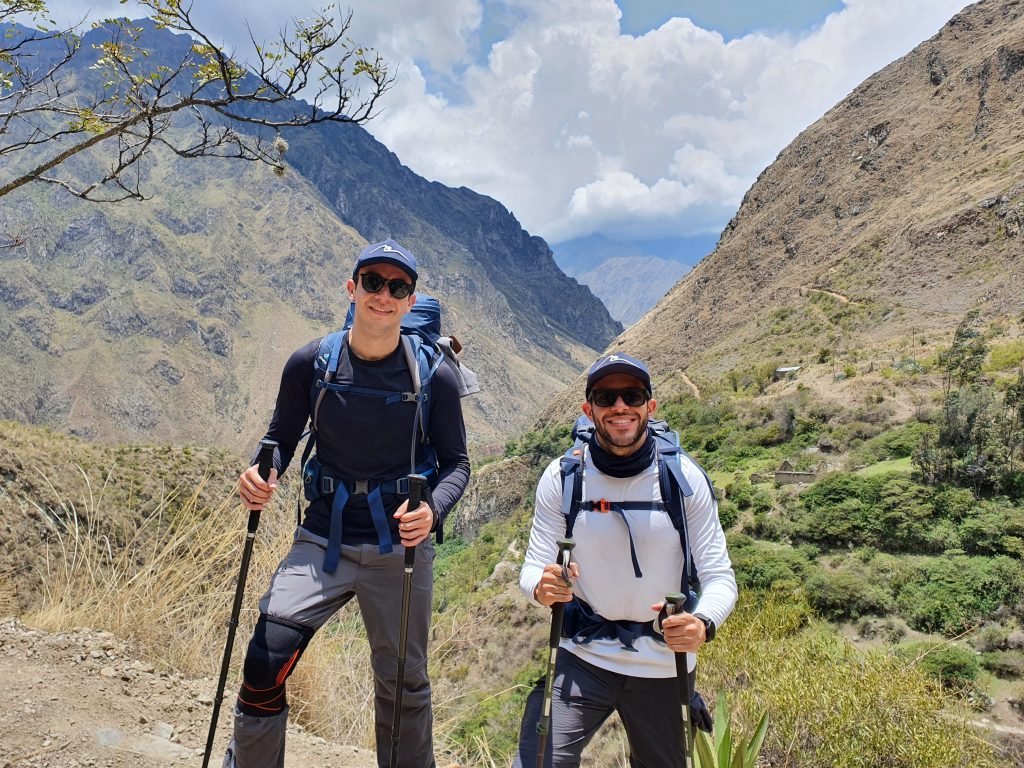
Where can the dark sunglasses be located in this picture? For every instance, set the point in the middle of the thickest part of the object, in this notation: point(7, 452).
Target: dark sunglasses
point(605, 398)
point(372, 283)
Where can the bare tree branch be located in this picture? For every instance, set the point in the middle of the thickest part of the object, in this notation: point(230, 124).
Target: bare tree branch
point(124, 101)
point(11, 242)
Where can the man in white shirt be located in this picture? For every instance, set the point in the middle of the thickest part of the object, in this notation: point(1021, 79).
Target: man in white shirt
point(613, 655)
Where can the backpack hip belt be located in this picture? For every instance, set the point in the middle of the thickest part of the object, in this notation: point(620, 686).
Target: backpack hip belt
point(581, 624)
point(319, 481)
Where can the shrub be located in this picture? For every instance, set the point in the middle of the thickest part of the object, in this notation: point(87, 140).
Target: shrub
point(541, 445)
point(830, 704)
point(1005, 357)
point(991, 637)
point(892, 632)
point(952, 665)
point(728, 514)
point(1008, 665)
point(840, 595)
point(747, 496)
point(950, 594)
point(896, 443)
point(761, 565)
point(994, 528)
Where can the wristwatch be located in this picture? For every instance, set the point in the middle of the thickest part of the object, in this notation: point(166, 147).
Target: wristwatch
point(709, 627)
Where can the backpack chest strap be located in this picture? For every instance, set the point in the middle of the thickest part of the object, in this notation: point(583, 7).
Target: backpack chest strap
point(390, 397)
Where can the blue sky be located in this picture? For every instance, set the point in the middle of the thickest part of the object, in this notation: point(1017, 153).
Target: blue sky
point(731, 19)
point(636, 119)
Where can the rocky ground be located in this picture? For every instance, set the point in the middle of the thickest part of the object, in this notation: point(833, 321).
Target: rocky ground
point(85, 699)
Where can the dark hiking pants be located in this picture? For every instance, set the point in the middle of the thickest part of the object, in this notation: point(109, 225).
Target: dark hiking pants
point(302, 593)
point(584, 696)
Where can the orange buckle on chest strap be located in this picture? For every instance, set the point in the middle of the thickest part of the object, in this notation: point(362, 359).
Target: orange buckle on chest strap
point(602, 505)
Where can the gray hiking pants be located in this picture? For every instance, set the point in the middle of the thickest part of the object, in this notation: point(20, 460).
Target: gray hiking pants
point(300, 592)
point(584, 696)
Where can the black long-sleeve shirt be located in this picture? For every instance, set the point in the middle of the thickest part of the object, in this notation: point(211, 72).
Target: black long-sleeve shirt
point(361, 438)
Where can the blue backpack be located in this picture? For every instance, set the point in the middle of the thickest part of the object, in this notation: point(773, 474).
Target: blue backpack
point(425, 350)
point(674, 492)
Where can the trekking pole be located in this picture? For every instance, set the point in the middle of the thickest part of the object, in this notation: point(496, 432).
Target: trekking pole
point(266, 463)
point(416, 484)
point(674, 603)
point(557, 612)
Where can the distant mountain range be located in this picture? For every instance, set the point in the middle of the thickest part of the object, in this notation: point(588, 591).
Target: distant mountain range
point(630, 277)
point(169, 320)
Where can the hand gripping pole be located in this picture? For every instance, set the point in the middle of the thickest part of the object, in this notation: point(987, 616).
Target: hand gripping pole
point(266, 463)
point(416, 485)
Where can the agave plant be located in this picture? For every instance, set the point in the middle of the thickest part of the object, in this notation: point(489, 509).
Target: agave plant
point(721, 753)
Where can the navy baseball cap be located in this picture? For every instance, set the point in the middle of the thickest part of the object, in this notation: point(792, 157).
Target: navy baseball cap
point(618, 363)
point(386, 252)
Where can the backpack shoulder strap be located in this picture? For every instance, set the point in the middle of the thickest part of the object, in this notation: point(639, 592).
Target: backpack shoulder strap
point(570, 466)
point(423, 362)
point(674, 491)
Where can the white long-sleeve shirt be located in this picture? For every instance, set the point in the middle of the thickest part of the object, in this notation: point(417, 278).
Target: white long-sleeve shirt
point(606, 577)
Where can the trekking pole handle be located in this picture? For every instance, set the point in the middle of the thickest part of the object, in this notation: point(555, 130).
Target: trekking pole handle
point(675, 602)
point(565, 548)
point(265, 460)
point(416, 485)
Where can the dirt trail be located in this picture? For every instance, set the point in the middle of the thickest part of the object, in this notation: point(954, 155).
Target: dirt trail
point(693, 387)
point(842, 298)
point(84, 698)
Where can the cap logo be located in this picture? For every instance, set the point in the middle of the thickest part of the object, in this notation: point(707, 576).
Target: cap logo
point(389, 249)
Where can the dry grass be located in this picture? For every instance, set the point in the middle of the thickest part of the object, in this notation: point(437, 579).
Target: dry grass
point(8, 596)
point(171, 587)
point(166, 588)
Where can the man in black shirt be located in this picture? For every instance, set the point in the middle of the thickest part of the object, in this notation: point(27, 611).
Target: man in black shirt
point(357, 511)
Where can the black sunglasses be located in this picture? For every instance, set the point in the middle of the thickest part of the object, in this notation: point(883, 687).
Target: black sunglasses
point(605, 398)
point(372, 283)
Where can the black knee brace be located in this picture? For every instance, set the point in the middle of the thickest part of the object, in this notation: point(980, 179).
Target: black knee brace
point(274, 649)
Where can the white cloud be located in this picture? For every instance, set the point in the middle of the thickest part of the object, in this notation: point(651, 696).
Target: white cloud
point(578, 128)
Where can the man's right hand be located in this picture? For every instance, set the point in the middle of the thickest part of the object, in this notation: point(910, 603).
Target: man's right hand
point(254, 491)
point(552, 587)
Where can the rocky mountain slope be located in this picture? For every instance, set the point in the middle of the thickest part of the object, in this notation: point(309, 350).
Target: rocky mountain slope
point(169, 320)
point(902, 208)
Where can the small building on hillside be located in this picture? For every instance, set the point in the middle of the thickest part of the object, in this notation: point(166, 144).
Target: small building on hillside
point(786, 474)
point(785, 372)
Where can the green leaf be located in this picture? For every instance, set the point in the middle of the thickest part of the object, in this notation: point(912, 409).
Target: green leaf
point(721, 725)
point(704, 753)
point(739, 757)
point(757, 740)
point(724, 745)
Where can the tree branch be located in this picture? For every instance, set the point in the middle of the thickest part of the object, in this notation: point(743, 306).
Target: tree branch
point(138, 97)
